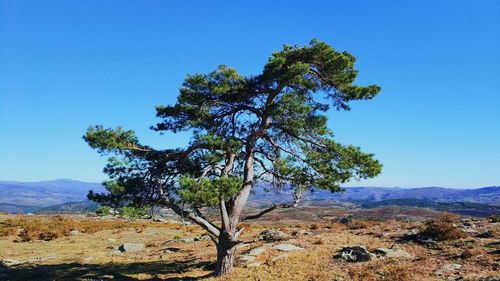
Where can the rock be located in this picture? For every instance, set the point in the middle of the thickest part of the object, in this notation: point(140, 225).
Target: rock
point(392, 253)
point(9, 262)
point(255, 251)
point(490, 278)
point(203, 238)
point(279, 257)
point(421, 239)
point(287, 247)
point(273, 236)
point(447, 269)
point(111, 239)
point(384, 235)
point(170, 250)
point(88, 259)
point(345, 220)
point(131, 247)
point(355, 254)
point(187, 240)
point(301, 232)
point(254, 264)
point(74, 232)
point(247, 258)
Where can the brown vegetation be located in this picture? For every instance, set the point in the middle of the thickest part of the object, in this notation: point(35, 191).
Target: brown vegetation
point(444, 228)
point(53, 227)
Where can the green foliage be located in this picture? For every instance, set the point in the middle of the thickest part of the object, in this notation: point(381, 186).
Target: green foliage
point(133, 212)
point(276, 117)
point(103, 211)
point(208, 191)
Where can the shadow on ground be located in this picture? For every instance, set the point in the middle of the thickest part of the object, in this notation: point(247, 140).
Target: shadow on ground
point(109, 271)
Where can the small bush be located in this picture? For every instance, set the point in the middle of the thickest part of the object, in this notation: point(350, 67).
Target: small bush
point(358, 224)
point(494, 218)
point(444, 228)
point(103, 211)
point(133, 212)
point(471, 252)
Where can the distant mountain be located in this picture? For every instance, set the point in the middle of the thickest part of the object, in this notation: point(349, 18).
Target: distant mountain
point(44, 193)
point(70, 207)
point(70, 195)
point(490, 195)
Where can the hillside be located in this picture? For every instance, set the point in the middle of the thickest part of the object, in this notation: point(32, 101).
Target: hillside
point(71, 196)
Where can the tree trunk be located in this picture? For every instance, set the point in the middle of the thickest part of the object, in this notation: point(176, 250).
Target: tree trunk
point(225, 254)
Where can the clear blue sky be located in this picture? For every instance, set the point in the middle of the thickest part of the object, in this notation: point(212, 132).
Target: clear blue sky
point(65, 65)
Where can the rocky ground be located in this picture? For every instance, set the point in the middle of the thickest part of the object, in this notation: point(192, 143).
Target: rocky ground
point(332, 248)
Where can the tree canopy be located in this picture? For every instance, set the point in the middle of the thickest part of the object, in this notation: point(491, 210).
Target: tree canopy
point(271, 127)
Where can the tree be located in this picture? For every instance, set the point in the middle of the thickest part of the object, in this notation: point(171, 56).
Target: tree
point(270, 128)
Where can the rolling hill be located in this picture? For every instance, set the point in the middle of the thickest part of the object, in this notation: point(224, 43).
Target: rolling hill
point(67, 195)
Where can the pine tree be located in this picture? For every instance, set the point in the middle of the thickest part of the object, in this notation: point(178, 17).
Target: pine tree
point(245, 129)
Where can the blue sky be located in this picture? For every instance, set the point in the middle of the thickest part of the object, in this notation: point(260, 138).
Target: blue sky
point(65, 65)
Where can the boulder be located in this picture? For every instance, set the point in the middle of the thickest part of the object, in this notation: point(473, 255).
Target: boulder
point(74, 232)
point(447, 269)
point(9, 262)
point(273, 235)
point(187, 239)
point(247, 258)
point(131, 247)
point(279, 257)
point(255, 251)
point(355, 254)
point(287, 247)
point(392, 253)
point(202, 238)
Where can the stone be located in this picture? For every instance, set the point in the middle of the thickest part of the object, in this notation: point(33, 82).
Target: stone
point(301, 232)
point(392, 253)
point(255, 251)
point(273, 235)
point(355, 254)
point(170, 250)
point(203, 238)
point(279, 257)
point(131, 247)
point(187, 240)
point(88, 259)
point(287, 247)
point(447, 269)
point(9, 262)
point(74, 232)
point(345, 220)
point(247, 258)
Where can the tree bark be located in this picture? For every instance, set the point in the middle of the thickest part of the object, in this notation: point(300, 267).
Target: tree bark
point(225, 254)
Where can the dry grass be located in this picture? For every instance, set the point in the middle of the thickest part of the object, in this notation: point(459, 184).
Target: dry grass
point(90, 255)
point(53, 227)
point(359, 224)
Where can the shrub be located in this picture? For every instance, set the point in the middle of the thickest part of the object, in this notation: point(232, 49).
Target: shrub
point(133, 212)
point(358, 224)
point(494, 218)
point(103, 210)
point(444, 228)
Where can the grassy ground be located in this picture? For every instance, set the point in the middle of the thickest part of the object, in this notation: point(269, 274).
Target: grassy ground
point(91, 255)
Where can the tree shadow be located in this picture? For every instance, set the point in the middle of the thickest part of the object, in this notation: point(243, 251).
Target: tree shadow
point(108, 271)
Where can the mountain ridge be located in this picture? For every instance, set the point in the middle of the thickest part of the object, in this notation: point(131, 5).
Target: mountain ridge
point(31, 196)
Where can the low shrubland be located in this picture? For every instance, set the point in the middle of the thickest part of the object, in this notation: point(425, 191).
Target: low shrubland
point(53, 227)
